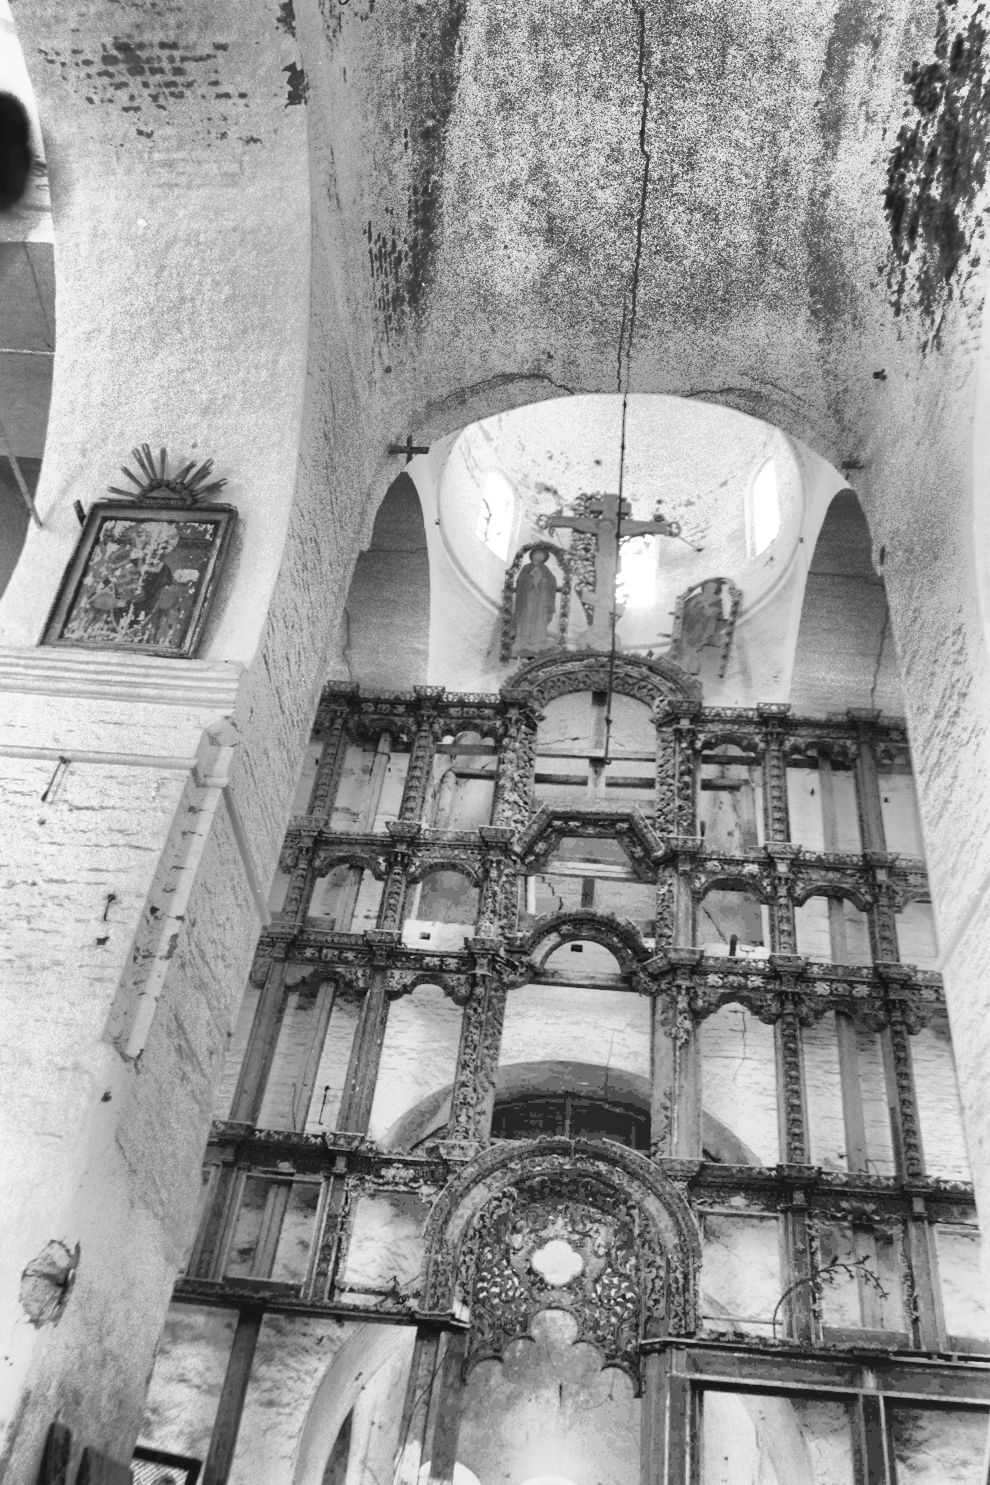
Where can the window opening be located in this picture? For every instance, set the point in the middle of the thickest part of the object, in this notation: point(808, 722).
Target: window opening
point(571, 1115)
point(496, 513)
point(764, 509)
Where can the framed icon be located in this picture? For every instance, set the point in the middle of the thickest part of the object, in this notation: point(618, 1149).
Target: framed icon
point(142, 577)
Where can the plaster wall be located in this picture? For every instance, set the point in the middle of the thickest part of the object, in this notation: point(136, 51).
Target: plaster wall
point(739, 1079)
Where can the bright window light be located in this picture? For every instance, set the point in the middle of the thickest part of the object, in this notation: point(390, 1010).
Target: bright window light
point(637, 585)
point(496, 513)
point(764, 508)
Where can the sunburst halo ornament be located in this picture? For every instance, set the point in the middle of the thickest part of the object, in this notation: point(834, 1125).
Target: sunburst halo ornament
point(187, 486)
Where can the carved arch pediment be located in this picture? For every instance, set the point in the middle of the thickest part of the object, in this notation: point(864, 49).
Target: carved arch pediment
point(621, 937)
point(628, 826)
point(660, 683)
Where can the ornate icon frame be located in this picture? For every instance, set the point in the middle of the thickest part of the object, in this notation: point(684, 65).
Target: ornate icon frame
point(169, 624)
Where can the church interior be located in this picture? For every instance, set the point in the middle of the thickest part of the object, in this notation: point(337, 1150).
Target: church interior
point(494, 980)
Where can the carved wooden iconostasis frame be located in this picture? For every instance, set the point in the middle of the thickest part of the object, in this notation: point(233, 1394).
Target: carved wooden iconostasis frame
point(899, 1343)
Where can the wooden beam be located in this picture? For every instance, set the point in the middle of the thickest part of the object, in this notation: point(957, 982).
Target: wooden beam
point(235, 1384)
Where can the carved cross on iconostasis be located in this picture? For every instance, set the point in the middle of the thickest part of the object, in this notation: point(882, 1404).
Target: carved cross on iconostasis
point(606, 519)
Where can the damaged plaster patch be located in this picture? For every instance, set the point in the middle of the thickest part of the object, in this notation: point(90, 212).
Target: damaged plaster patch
point(46, 1282)
point(402, 253)
point(937, 170)
point(286, 18)
point(296, 85)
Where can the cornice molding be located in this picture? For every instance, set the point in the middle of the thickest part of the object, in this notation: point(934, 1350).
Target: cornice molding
point(209, 685)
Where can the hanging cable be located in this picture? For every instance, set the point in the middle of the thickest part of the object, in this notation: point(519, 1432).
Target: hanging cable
point(609, 686)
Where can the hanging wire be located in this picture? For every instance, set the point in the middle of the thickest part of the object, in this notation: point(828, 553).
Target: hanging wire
point(610, 683)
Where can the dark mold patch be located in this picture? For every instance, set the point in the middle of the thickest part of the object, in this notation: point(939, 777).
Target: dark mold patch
point(286, 18)
point(296, 87)
point(937, 170)
point(402, 254)
point(151, 75)
point(46, 1282)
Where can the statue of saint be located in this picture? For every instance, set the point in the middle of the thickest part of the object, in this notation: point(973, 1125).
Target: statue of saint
point(702, 623)
point(535, 602)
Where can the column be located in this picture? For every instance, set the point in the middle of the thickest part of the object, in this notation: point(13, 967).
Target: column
point(791, 1095)
point(675, 1109)
point(431, 1412)
point(362, 1070)
point(867, 783)
point(392, 906)
point(775, 813)
point(331, 723)
point(496, 915)
point(516, 769)
point(419, 775)
point(477, 1058)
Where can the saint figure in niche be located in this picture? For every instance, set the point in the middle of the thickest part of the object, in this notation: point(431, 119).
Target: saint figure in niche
point(535, 603)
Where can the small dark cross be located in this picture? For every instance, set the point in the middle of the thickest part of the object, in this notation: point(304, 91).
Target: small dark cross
point(409, 448)
point(606, 519)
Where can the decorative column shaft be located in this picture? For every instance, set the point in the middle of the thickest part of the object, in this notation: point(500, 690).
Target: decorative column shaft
point(477, 1060)
point(783, 930)
point(392, 906)
point(420, 771)
point(776, 819)
point(514, 779)
point(794, 1122)
point(900, 1071)
point(332, 759)
point(675, 798)
point(496, 913)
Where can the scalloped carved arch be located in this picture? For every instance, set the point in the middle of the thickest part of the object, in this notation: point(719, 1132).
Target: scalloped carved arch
point(661, 683)
point(505, 1201)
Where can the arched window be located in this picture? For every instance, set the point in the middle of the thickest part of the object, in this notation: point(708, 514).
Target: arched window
point(572, 1116)
point(763, 513)
point(496, 513)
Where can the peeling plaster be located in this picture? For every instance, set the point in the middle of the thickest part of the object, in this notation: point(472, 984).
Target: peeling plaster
point(46, 1282)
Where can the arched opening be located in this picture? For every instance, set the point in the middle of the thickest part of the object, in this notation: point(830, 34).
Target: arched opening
point(27, 311)
point(845, 653)
point(385, 630)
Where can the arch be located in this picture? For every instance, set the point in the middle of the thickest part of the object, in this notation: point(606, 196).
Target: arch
point(27, 305)
point(385, 630)
point(661, 683)
point(616, 1173)
point(619, 936)
point(845, 653)
point(861, 897)
point(364, 1355)
point(464, 867)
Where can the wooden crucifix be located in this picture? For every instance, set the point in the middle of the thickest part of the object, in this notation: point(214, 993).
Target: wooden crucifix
point(606, 519)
